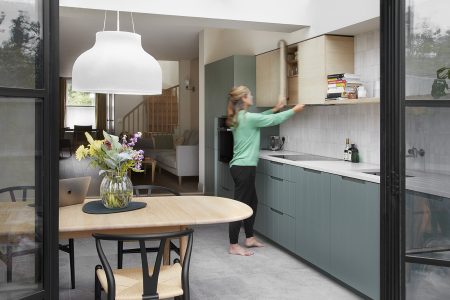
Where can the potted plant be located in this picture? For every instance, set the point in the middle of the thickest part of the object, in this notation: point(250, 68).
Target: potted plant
point(114, 158)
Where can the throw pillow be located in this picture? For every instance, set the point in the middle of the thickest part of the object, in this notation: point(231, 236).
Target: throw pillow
point(179, 140)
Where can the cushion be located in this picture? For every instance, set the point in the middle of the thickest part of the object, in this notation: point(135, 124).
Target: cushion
point(168, 158)
point(144, 143)
point(186, 135)
point(179, 140)
point(163, 141)
point(193, 138)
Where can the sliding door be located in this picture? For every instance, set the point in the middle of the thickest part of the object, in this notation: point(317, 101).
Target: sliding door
point(28, 156)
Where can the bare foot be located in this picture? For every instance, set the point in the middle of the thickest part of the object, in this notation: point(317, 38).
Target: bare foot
point(236, 249)
point(253, 242)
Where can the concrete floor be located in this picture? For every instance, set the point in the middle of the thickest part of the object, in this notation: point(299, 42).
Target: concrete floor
point(214, 274)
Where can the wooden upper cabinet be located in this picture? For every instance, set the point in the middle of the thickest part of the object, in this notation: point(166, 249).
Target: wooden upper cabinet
point(267, 78)
point(319, 57)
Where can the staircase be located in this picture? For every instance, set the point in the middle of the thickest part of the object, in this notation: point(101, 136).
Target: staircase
point(155, 114)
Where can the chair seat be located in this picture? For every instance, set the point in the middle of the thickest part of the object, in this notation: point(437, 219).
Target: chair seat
point(129, 282)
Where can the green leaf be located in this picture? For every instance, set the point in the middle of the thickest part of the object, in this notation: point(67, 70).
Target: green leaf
point(89, 138)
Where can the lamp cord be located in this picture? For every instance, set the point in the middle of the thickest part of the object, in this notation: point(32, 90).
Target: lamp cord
point(104, 22)
point(132, 21)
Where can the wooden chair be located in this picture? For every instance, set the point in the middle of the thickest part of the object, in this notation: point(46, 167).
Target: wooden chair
point(165, 281)
point(11, 249)
point(145, 191)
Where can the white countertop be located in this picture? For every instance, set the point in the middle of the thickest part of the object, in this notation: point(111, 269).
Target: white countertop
point(429, 183)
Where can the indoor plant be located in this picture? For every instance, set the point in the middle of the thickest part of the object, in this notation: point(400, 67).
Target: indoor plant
point(114, 157)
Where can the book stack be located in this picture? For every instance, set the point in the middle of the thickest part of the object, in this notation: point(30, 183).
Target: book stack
point(339, 85)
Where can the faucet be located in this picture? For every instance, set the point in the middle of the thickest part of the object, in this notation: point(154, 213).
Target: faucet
point(413, 152)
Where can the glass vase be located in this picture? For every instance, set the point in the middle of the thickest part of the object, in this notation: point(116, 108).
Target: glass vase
point(116, 191)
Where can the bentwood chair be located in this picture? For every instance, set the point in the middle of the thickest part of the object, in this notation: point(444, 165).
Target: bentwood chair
point(21, 193)
point(145, 191)
point(79, 138)
point(155, 281)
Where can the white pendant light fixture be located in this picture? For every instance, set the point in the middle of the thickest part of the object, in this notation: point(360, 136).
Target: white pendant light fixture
point(117, 64)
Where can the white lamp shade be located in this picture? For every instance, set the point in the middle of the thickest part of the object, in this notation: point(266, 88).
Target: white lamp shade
point(117, 64)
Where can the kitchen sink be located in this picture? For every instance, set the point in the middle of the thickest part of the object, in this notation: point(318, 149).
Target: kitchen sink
point(305, 157)
point(377, 173)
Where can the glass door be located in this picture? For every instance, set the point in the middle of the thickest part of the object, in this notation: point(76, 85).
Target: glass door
point(427, 149)
point(28, 214)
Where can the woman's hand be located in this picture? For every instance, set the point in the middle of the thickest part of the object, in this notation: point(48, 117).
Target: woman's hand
point(281, 103)
point(298, 108)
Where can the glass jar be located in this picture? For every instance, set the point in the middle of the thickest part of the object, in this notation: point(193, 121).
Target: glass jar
point(116, 191)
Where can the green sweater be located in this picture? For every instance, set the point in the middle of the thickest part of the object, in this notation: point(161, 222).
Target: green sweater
point(247, 134)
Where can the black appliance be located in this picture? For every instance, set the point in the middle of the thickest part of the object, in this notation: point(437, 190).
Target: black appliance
point(225, 141)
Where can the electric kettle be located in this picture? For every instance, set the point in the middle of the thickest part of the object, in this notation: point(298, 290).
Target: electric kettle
point(276, 143)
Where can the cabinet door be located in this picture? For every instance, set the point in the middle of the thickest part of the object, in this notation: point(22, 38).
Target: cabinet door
point(261, 187)
point(355, 236)
point(282, 229)
point(262, 219)
point(313, 217)
point(267, 78)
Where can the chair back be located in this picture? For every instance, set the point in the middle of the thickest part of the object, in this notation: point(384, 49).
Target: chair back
point(146, 190)
point(150, 282)
point(12, 189)
point(78, 134)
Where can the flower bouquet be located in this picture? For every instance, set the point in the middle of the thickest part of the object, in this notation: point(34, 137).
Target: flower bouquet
point(114, 157)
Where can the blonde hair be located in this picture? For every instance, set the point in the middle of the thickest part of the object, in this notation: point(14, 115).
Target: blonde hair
point(235, 103)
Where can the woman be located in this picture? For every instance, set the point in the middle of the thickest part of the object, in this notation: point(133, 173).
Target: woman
point(246, 134)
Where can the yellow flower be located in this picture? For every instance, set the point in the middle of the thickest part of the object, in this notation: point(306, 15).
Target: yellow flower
point(81, 152)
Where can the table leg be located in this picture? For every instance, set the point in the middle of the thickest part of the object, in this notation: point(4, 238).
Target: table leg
point(153, 171)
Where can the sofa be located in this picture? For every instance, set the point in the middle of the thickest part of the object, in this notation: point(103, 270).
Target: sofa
point(175, 154)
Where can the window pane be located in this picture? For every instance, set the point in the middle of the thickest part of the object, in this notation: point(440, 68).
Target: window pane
point(20, 221)
point(79, 98)
point(21, 45)
point(425, 282)
point(80, 116)
point(427, 49)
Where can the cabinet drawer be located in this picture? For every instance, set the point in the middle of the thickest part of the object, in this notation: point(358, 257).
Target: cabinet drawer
point(281, 228)
point(262, 166)
point(261, 221)
point(281, 194)
point(261, 187)
point(275, 169)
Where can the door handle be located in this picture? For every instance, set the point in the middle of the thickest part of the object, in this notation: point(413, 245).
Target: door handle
point(276, 178)
point(312, 171)
point(276, 211)
point(276, 163)
point(353, 179)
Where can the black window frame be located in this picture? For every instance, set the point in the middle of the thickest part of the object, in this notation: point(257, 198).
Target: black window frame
point(47, 180)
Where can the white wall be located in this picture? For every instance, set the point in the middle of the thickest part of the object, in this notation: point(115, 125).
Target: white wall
point(281, 11)
point(170, 73)
point(185, 97)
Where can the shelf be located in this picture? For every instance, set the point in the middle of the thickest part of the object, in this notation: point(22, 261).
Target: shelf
point(352, 101)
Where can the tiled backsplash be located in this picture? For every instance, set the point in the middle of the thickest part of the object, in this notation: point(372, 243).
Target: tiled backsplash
point(322, 130)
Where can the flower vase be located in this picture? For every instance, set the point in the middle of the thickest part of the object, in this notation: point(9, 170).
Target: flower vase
point(116, 191)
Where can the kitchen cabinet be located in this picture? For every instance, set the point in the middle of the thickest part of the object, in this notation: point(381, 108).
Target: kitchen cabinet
point(355, 234)
point(267, 78)
point(220, 77)
point(225, 184)
point(312, 215)
point(319, 57)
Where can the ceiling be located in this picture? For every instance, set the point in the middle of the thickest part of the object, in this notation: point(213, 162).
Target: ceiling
point(164, 37)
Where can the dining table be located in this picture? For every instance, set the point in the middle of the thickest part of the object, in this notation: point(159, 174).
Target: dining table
point(161, 214)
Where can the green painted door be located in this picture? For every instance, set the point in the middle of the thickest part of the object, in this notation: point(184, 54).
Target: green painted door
point(312, 217)
point(355, 235)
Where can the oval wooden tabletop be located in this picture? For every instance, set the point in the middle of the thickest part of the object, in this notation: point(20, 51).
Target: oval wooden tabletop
point(159, 212)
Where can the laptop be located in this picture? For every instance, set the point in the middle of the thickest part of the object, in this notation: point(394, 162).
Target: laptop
point(73, 190)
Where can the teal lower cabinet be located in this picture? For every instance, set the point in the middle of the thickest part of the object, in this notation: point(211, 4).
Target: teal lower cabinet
point(313, 217)
point(225, 184)
point(261, 221)
point(261, 187)
point(355, 235)
point(280, 194)
point(276, 226)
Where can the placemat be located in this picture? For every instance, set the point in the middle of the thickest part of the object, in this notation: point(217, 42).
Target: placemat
point(97, 207)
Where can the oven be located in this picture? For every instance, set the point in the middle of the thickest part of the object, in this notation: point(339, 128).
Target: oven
point(225, 141)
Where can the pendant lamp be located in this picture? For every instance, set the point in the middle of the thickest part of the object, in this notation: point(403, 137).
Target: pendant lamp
point(117, 64)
